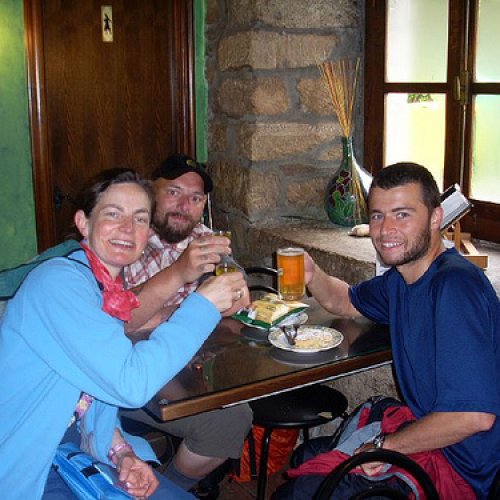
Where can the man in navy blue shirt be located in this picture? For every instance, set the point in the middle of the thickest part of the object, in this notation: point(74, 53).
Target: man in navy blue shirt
point(444, 319)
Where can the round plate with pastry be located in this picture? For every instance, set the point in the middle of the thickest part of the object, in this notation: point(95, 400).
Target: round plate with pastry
point(309, 339)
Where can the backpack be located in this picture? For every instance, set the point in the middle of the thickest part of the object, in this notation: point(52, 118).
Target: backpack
point(12, 278)
point(281, 446)
point(86, 477)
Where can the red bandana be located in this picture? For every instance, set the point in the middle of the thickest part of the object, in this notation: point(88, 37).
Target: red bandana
point(117, 301)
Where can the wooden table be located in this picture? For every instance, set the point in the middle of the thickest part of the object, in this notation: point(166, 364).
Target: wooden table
point(238, 364)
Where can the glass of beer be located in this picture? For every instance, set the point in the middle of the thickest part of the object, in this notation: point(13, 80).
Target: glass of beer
point(223, 232)
point(226, 264)
point(291, 285)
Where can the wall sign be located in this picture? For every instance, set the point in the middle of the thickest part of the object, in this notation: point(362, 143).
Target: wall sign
point(107, 23)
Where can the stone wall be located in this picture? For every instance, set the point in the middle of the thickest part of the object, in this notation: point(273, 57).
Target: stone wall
point(274, 140)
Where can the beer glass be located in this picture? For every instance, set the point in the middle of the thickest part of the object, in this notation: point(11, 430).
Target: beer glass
point(290, 262)
point(226, 264)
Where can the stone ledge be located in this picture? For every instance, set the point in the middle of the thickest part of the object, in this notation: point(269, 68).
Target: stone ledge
point(346, 257)
point(336, 252)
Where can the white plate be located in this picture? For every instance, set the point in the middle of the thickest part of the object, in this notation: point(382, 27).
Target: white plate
point(322, 338)
point(294, 319)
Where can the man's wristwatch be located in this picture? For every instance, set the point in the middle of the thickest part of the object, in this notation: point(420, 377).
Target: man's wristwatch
point(378, 442)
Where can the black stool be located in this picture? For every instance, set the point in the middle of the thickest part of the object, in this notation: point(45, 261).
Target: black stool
point(297, 409)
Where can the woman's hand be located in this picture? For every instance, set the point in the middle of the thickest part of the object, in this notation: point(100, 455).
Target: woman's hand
point(137, 476)
point(239, 304)
point(225, 290)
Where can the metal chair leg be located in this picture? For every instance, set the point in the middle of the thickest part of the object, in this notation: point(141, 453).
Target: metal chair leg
point(264, 455)
point(251, 455)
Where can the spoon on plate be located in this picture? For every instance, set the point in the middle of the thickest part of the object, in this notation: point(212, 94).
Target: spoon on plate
point(290, 332)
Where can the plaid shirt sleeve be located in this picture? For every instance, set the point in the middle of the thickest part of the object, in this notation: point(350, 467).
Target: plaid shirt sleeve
point(157, 256)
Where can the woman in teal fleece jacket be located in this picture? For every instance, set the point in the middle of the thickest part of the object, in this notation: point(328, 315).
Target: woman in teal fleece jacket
point(59, 348)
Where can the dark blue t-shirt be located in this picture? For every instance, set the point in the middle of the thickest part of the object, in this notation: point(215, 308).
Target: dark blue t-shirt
point(445, 335)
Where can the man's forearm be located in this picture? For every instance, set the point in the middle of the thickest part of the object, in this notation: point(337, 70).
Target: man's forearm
point(438, 430)
point(332, 293)
point(152, 295)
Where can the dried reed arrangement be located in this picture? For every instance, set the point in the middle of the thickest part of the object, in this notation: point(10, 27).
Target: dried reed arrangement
point(341, 79)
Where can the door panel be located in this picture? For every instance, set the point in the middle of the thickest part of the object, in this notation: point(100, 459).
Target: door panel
point(104, 104)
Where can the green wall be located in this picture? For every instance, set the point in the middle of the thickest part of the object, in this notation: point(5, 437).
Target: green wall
point(201, 81)
point(17, 208)
point(17, 212)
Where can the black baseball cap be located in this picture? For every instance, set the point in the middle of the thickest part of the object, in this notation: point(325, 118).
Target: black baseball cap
point(176, 165)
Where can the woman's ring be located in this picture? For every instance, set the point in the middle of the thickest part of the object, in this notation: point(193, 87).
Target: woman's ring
point(239, 294)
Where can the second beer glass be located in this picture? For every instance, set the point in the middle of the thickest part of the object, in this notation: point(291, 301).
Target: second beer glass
point(290, 262)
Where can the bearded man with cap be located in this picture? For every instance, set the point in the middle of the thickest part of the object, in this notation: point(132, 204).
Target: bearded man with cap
point(180, 251)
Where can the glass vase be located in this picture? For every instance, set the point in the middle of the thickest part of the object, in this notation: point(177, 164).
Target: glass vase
point(347, 191)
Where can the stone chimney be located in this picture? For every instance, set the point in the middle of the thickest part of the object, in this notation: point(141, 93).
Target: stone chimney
point(274, 140)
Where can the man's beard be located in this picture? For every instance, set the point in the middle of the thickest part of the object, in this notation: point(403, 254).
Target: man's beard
point(172, 234)
point(420, 247)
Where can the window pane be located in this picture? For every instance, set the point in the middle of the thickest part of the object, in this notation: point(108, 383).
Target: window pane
point(417, 40)
point(414, 131)
point(486, 149)
point(488, 42)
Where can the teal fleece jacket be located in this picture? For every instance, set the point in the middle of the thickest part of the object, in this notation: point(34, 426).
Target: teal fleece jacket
point(55, 342)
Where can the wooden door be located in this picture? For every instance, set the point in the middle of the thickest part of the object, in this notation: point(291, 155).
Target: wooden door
point(97, 104)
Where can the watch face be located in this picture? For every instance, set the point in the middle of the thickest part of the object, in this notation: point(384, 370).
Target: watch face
point(378, 442)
